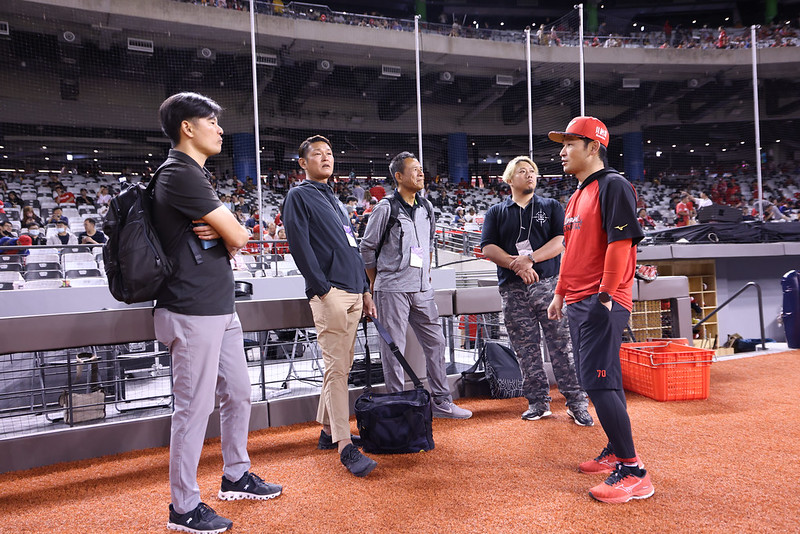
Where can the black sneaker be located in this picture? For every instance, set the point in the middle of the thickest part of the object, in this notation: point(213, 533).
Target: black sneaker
point(203, 519)
point(581, 416)
point(357, 463)
point(536, 411)
point(250, 486)
point(326, 443)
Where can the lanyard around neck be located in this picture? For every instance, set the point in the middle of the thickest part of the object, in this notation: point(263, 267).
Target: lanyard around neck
point(532, 204)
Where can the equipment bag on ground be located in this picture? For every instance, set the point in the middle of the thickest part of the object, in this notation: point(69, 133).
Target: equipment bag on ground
point(502, 371)
point(81, 407)
point(394, 423)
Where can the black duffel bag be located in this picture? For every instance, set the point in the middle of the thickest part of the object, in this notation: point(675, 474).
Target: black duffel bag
point(495, 374)
point(394, 423)
point(502, 371)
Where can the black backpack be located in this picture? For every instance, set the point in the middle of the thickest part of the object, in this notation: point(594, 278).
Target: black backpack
point(135, 262)
point(395, 210)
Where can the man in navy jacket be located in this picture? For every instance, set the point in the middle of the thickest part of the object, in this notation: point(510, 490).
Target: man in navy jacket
point(324, 247)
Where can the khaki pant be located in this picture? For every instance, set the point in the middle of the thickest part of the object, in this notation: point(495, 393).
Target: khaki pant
point(336, 318)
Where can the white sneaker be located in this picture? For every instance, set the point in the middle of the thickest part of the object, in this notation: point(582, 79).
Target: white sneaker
point(450, 410)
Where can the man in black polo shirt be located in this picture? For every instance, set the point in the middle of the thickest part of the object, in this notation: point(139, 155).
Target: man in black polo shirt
point(195, 316)
point(524, 236)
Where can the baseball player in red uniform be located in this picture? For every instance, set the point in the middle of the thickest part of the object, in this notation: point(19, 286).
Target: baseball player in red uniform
point(600, 235)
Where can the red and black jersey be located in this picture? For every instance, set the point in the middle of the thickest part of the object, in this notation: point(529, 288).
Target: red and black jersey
point(601, 211)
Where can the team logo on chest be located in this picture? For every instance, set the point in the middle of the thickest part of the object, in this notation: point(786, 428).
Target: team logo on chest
point(540, 217)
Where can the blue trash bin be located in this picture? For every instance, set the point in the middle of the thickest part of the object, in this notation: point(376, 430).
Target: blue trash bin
point(791, 308)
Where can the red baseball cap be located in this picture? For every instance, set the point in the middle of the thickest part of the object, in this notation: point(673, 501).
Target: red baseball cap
point(24, 240)
point(586, 127)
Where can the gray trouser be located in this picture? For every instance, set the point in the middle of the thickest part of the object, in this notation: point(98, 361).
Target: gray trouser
point(525, 310)
point(398, 311)
point(207, 352)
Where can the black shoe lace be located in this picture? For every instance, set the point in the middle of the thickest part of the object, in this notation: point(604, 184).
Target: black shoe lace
point(352, 455)
point(605, 452)
point(257, 479)
point(619, 473)
point(205, 511)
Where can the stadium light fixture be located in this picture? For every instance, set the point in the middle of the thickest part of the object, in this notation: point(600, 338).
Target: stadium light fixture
point(658, 153)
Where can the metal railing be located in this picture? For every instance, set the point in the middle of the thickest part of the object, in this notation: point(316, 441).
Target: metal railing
point(696, 326)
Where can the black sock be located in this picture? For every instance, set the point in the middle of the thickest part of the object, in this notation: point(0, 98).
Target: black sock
point(635, 470)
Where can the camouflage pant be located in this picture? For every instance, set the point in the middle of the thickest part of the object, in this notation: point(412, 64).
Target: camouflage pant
point(525, 310)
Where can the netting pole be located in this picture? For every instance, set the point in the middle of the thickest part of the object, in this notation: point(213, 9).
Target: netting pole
point(580, 55)
point(419, 92)
point(256, 127)
point(530, 93)
point(757, 122)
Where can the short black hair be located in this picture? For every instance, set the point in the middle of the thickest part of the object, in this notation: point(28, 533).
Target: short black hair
point(305, 145)
point(398, 163)
point(184, 107)
point(91, 220)
point(350, 199)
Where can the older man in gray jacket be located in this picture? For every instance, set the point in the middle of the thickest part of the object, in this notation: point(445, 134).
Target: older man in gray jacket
point(397, 247)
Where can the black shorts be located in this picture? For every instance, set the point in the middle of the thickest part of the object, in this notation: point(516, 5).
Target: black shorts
point(596, 336)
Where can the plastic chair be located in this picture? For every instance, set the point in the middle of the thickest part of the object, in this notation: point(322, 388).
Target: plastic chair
point(43, 284)
point(84, 273)
point(33, 266)
point(30, 276)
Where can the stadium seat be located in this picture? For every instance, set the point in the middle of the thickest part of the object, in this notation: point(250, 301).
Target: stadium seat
point(11, 276)
point(84, 273)
point(71, 265)
point(6, 266)
point(42, 275)
point(33, 266)
point(70, 257)
point(88, 281)
point(11, 258)
point(43, 284)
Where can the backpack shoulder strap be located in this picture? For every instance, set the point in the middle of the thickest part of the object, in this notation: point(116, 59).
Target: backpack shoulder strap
point(152, 185)
point(394, 211)
point(429, 208)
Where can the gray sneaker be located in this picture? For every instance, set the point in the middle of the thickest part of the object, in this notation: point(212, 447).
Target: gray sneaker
point(581, 416)
point(449, 410)
point(536, 411)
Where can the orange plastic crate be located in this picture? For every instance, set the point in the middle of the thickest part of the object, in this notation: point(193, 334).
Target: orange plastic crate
point(666, 371)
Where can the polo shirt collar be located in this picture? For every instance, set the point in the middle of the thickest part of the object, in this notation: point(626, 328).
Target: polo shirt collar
point(508, 202)
point(185, 158)
point(403, 202)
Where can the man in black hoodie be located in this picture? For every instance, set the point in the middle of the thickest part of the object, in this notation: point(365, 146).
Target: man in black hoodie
point(323, 245)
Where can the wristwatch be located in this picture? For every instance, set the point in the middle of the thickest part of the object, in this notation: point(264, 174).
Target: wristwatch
point(530, 255)
point(604, 297)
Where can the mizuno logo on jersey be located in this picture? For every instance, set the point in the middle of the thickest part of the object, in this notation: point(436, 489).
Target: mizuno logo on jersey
point(620, 228)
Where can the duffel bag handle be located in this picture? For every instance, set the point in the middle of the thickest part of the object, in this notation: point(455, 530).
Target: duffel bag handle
point(395, 350)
